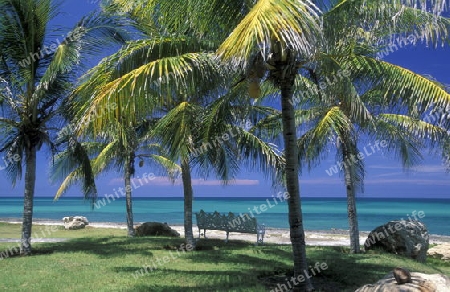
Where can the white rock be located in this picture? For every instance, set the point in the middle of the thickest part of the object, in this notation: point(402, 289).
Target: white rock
point(75, 222)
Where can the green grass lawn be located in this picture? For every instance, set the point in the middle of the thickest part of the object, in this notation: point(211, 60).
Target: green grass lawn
point(101, 259)
point(8, 230)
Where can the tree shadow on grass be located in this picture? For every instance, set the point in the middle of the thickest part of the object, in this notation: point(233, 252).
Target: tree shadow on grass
point(344, 272)
point(205, 281)
point(213, 251)
point(109, 247)
point(355, 270)
point(438, 264)
point(214, 243)
point(219, 256)
point(276, 250)
point(198, 288)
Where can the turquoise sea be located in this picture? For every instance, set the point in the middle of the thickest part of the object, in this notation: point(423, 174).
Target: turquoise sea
point(319, 213)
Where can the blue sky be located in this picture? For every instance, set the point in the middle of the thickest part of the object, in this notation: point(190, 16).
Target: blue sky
point(385, 176)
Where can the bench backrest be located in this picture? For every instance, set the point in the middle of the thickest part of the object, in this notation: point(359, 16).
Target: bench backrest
point(210, 220)
point(242, 223)
point(231, 223)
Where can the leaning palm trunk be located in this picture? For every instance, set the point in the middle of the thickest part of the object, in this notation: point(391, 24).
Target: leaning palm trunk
point(188, 197)
point(129, 204)
point(30, 181)
point(297, 232)
point(351, 203)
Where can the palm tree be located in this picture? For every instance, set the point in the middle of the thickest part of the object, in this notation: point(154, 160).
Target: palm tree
point(37, 75)
point(170, 77)
point(284, 33)
point(193, 132)
point(179, 128)
point(341, 102)
point(353, 101)
point(287, 36)
point(160, 76)
point(177, 131)
point(118, 148)
point(404, 136)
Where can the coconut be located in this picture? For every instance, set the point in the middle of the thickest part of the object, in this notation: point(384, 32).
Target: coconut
point(254, 91)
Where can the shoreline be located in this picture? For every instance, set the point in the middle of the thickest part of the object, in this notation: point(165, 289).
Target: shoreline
point(331, 237)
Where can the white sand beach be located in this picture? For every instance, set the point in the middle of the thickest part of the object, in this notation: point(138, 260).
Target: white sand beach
point(333, 237)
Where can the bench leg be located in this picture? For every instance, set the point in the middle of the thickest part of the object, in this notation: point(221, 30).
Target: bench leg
point(260, 238)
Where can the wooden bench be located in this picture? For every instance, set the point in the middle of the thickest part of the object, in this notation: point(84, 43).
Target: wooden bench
point(242, 223)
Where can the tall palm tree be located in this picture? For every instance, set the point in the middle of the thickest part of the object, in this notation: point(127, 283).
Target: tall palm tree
point(360, 95)
point(37, 70)
point(162, 76)
point(117, 148)
point(336, 100)
point(288, 36)
point(171, 77)
point(285, 34)
point(179, 128)
point(405, 136)
point(194, 131)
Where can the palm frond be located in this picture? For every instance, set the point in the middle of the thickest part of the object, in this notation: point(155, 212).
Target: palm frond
point(73, 165)
point(71, 179)
point(15, 27)
point(413, 135)
point(216, 152)
point(176, 129)
point(395, 83)
point(145, 22)
point(260, 155)
point(295, 24)
point(405, 136)
point(387, 17)
point(168, 165)
point(104, 160)
point(12, 147)
point(307, 91)
point(165, 17)
point(134, 55)
point(88, 35)
point(134, 93)
point(332, 125)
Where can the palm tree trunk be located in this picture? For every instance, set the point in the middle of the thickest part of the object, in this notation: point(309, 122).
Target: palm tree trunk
point(188, 197)
point(351, 203)
point(129, 204)
point(30, 181)
point(297, 232)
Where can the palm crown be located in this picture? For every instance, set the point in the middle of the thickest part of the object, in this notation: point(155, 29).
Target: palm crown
point(36, 77)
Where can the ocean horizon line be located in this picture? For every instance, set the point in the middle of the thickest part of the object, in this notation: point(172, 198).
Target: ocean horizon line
point(245, 197)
